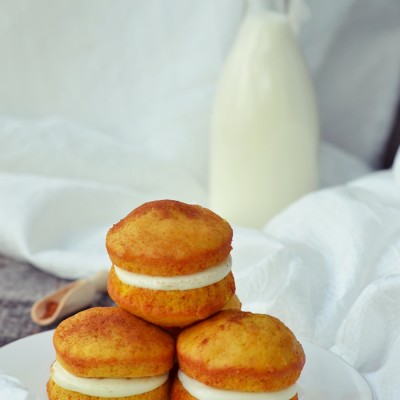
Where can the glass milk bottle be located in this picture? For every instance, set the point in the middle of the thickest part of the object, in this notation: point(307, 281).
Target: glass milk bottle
point(264, 130)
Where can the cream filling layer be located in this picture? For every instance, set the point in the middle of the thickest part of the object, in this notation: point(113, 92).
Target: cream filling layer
point(180, 282)
point(203, 392)
point(105, 387)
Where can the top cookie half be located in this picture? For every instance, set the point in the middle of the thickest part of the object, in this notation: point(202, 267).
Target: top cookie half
point(168, 238)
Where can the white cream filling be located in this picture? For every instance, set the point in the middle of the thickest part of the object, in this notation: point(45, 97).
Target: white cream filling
point(203, 392)
point(105, 387)
point(180, 282)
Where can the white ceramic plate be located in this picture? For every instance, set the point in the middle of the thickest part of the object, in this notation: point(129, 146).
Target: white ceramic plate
point(325, 376)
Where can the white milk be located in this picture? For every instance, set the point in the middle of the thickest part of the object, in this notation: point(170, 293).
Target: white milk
point(264, 132)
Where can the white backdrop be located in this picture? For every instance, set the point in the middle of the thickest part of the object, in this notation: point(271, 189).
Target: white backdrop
point(145, 71)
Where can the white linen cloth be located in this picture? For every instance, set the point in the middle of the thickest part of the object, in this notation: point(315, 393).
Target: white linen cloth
point(328, 266)
point(12, 389)
point(62, 186)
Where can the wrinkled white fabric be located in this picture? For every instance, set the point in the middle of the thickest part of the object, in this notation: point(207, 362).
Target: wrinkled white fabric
point(12, 389)
point(62, 186)
point(328, 266)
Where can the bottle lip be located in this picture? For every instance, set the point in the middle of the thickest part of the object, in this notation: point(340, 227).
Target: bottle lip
point(273, 6)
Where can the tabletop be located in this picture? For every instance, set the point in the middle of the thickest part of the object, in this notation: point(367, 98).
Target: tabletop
point(21, 284)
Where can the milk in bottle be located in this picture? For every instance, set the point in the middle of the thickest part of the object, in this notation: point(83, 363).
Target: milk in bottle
point(264, 131)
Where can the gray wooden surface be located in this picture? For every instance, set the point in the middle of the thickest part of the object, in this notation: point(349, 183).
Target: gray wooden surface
point(21, 284)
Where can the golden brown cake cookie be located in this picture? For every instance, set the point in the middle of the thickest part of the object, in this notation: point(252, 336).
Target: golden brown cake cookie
point(168, 237)
point(103, 344)
point(157, 249)
point(234, 304)
point(241, 352)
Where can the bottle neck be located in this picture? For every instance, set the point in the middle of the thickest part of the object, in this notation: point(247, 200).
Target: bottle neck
point(257, 6)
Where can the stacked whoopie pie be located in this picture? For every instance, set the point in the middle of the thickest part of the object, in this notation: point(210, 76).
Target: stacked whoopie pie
point(171, 263)
point(105, 352)
point(172, 282)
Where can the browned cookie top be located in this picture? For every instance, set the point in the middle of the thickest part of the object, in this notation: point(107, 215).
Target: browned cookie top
point(108, 342)
point(241, 351)
point(168, 238)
